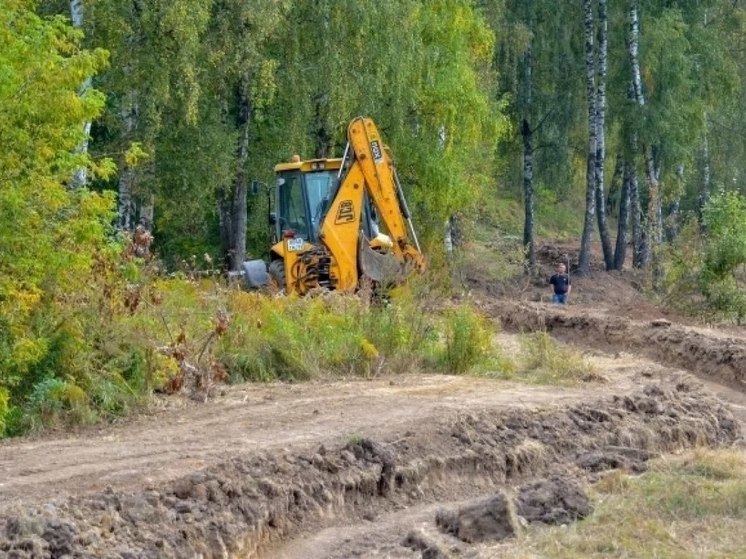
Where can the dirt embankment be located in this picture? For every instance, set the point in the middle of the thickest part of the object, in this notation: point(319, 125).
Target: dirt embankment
point(246, 505)
point(704, 352)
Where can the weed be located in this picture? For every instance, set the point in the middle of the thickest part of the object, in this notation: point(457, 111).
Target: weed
point(4, 409)
point(467, 339)
point(544, 361)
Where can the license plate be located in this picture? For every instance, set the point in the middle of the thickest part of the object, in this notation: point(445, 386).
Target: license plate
point(294, 245)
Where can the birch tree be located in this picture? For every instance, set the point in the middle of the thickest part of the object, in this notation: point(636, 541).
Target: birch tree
point(600, 157)
point(80, 177)
point(584, 261)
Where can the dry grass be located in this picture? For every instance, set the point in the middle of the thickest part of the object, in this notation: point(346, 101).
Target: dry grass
point(689, 506)
point(542, 360)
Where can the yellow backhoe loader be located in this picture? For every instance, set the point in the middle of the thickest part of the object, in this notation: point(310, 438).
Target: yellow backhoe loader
point(338, 221)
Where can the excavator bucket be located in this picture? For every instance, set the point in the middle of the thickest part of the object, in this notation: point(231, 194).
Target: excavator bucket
point(381, 268)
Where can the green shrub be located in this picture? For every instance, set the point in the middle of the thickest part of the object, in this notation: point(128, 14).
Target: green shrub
point(467, 339)
point(704, 269)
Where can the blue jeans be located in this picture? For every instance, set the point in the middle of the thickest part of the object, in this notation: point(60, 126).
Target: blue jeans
point(560, 298)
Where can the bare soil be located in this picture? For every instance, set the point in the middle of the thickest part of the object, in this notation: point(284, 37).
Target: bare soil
point(362, 468)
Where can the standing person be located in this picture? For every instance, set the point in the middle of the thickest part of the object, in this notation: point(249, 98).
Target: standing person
point(560, 285)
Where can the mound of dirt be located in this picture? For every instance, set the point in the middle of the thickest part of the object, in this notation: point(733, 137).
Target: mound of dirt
point(490, 519)
point(251, 502)
point(556, 500)
point(698, 350)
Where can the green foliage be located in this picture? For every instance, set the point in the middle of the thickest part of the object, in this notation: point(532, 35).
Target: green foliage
point(705, 275)
point(4, 409)
point(51, 238)
point(291, 338)
point(468, 339)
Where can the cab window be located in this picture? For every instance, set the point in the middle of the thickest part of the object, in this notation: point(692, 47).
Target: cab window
point(292, 214)
point(319, 187)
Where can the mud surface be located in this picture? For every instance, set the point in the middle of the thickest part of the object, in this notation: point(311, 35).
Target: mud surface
point(251, 419)
point(247, 505)
point(702, 351)
point(337, 469)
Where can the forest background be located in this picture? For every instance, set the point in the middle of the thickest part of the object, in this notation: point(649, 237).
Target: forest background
point(509, 119)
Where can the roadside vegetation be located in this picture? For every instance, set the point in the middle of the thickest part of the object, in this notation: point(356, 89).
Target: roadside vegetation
point(125, 117)
point(136, 332)
point(706, 266)
point(694, 506)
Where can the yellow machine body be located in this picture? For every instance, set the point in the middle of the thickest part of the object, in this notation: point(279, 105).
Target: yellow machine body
point(341, 220)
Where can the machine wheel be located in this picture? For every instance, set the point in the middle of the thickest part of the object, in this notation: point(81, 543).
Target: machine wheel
point(276, 273)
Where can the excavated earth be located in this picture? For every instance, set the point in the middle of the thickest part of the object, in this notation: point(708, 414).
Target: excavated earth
point(703, 351)
point(389, 467)
point(254, 504)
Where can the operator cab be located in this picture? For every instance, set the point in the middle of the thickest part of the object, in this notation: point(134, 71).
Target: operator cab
point(304, 193)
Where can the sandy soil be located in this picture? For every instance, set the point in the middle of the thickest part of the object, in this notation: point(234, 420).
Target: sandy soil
point(348, 468)
point(249, 419)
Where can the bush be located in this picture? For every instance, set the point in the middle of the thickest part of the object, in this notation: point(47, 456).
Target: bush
point(468, 339)
point(134, 332)
point(704, 269)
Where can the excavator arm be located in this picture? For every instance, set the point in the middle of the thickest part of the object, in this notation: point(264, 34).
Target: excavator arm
point(370, 172)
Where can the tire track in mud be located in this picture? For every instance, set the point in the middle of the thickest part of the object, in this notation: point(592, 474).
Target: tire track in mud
point(706, 353)
point(247, 505)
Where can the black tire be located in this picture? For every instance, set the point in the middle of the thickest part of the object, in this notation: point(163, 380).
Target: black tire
point(276, 271)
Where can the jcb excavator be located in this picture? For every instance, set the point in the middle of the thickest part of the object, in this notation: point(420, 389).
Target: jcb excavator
point(337, 221)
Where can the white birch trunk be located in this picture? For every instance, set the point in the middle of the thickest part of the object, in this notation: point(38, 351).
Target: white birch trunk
point(126, 201)
point(584, 259)
point(653, 233)
point(635, 212)
point(600, 159)
point(80, 176)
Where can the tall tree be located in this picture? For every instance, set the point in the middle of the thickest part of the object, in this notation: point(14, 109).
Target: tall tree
point(80, 177)
point(584, 258)
point(600, 158)
point(49, 235)
point(528, 147)
point(621, 174)
point(633, 46)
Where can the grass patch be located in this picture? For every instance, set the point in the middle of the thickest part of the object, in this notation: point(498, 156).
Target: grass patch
point(543, 361)
point(689, 506)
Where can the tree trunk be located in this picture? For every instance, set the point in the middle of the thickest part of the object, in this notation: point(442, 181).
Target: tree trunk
point(147, 211)
point(126, 201)
point(633, 48)
point(528, 196)
point(652, 234)
point(322, 134)
point(635, 212)
point(225, 221)
point(705, 185)
point(239, 216)
point(80, 176)
point(584, 259)
point(620, 254)
point(674, 210)
point(600, 158)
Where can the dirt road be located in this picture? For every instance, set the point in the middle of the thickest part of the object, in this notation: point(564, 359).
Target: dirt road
point(346, 468)
point(251, 419)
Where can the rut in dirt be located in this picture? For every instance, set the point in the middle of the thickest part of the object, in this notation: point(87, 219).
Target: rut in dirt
point(248, 505)
point(708, 354)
